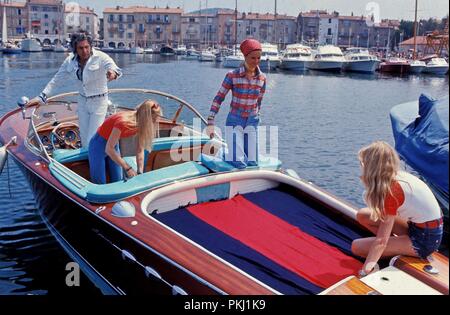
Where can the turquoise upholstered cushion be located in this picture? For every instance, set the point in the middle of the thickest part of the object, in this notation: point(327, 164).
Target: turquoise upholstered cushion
point(217, 165)
point(119, 190)
point(123, 189)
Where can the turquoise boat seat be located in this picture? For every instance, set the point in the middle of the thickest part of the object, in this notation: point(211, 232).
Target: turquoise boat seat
point(159, 144)
point(218, 165)
point(119, 190)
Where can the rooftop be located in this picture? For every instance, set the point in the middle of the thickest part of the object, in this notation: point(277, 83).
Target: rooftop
point(142, 9)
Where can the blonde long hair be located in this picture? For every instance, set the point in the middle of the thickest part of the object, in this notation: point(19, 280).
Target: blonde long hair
point(380, 164)
point(145, 120)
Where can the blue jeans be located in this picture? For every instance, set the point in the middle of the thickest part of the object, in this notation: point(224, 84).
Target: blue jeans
point(99, 160)
point(425, 241)
point(241, 137)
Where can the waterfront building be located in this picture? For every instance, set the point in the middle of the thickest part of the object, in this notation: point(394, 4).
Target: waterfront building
point(16, 19)
point(78, 18)
point(141, 26)
point(46, 20)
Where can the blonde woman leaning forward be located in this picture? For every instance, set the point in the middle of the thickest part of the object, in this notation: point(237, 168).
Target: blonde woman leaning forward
point(104, 145)
point(402, 211)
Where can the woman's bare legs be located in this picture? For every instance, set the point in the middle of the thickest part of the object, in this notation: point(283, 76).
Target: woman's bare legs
point(363, 217)
point(397, 245)
point(400, 244)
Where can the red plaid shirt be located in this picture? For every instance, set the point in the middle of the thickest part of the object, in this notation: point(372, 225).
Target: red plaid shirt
point(247, 94)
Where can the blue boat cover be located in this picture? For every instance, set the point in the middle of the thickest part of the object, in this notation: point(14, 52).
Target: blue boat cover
point(421, 137)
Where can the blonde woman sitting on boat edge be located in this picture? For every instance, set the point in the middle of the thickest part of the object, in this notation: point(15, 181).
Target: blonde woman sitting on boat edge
point(104, 145)
point(398, 203)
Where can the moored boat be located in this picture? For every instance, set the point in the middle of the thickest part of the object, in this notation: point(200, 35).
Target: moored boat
point(420, 131)
point(360, 60)
point(417, 66)
point(327, 58)
point(395, 65)
point(296, 57)
point(436, 66)
point(270, 58)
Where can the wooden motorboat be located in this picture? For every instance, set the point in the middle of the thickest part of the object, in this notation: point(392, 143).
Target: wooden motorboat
point(191, 223)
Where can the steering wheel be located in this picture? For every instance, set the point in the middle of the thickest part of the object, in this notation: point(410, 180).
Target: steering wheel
point(62, 138)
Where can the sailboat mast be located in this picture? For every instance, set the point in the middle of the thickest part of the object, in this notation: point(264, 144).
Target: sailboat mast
point(235, 27)
point(4, 27)
point(415, 32)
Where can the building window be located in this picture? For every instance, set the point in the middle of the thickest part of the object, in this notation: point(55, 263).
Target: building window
point(20, 22)
point(329, 21)
point(120, 18)
point(130, 18)
point(191, 20)
point(130, 25)
point(150, 18)
point(19, 11)
point(45, 16)
point(166, 18)
point(87, 19)
point(35, 9)
point(46, 32)
point(158, 17)
point(329, 31)
point(130, 35)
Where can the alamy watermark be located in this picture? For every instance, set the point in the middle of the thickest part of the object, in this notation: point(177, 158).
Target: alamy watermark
point(259, 141)
point(73, 277)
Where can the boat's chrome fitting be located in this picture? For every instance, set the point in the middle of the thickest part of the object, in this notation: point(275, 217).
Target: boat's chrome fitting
point(127, 255)
point(431, 270)
point(176, 290)
point(150, 272)
point(123, 209)
point(22, 103)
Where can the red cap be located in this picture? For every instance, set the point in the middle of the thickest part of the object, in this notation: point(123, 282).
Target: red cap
point(249, 45)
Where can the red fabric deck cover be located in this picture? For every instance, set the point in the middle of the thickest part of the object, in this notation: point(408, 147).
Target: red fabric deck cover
point(278, 240)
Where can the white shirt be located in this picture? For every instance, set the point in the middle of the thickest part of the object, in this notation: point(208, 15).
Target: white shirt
point(420, 204)
point(94, 81)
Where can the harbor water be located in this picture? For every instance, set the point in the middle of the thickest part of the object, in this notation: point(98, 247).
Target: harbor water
point(323, 119)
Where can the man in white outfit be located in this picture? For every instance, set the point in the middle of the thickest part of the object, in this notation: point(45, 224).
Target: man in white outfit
point(93, 69)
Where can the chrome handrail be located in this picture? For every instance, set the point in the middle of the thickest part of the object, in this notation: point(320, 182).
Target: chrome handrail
point(56, 98)
point(113, 91)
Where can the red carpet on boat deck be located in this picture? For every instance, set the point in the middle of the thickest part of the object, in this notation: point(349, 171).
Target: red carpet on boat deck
point(278, 240)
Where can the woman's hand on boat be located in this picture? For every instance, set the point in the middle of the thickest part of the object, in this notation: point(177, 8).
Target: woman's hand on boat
point(131, 173)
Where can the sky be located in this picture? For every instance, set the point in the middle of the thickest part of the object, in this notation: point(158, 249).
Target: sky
point(394, 9)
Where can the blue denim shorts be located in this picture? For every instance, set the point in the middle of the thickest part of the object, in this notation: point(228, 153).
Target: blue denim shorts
point(425, 241)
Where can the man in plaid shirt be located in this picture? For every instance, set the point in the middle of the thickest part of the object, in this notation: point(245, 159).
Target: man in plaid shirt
point(248, 85)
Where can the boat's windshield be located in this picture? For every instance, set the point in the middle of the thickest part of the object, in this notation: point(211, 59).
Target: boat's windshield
point(179, 118)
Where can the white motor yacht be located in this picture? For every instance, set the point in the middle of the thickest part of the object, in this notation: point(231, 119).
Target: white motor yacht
point(270, 58)
point(417, 66)
point(31, 45)
point(296, 57)
point(235, 60)
point(207, 55)
point(436, 66)
point(360, 60)
point(327, 58)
